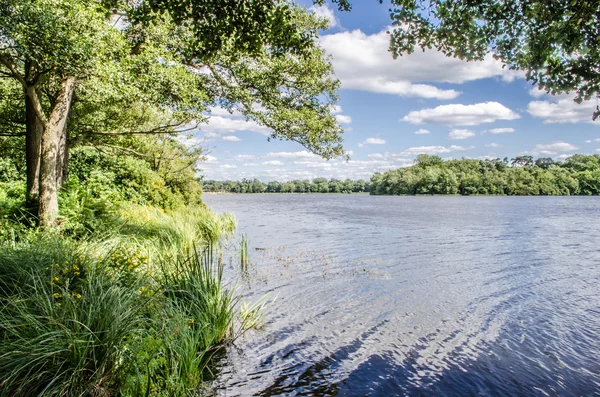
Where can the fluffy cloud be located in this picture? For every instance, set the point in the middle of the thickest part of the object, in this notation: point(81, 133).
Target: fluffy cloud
point(327, 13)
point(562, 109)
point(422, 131)
point(552, 148)
point(242, 157)
point(414, 151)
point(458, 114)
point(292, 155)
point(273, 162)
point(493, 145)
point(460, 134)
point(343, 119)
point(501, 130)
point(221, 121)
point(231, 138)
point(372, 141)
point(362, 62)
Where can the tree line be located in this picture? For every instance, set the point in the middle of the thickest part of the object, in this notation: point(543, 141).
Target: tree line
point(317, 185)
point(520, 176)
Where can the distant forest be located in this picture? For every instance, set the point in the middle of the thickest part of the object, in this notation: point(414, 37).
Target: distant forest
point(317, 185)
point(519, 176)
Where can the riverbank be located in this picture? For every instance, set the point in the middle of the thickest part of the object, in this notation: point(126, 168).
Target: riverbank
point(136, 307)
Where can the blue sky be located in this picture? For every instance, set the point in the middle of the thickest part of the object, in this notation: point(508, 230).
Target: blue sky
point(392, 110)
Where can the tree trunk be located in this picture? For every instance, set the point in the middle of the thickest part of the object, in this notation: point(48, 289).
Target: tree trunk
point(48, 210)
point(62, 158)
point(33, 140)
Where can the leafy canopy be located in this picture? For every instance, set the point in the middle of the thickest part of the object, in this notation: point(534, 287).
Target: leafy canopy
point(554, 42)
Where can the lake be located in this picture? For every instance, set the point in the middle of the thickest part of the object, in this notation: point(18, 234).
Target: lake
point(417, 296)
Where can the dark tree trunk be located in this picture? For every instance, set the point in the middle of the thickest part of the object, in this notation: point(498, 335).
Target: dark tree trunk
point(33, 140)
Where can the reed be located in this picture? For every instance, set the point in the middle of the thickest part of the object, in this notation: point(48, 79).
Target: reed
point(244, 257)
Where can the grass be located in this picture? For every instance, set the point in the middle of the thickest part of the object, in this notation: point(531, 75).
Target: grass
point(135, 308)
point(244, 257)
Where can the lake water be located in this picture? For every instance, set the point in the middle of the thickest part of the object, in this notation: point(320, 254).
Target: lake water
point(418, 296)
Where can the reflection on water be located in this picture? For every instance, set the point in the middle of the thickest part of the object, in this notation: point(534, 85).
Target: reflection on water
point(451, 296)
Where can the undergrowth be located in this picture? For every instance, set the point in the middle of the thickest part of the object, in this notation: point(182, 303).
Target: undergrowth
point(131, 303)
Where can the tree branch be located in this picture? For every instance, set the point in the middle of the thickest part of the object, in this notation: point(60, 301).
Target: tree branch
point(12, 135)
point(7, 61)
point(167, 129)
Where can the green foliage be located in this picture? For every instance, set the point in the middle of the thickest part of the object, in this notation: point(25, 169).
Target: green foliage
point(63, 333)
point(108, 316)
point(579, 174)
point(555, 42)
point(318, 185)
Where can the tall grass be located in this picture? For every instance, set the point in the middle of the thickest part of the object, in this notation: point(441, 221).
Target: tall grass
point(244, 256)
point(65, 339)
point(183, 229)
point(138, 310)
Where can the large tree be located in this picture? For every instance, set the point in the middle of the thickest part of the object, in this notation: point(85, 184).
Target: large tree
point(554, 42)
point(89, 70)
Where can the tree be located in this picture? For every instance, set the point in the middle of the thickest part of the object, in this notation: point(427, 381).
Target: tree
point(554, 42)
point(544, 162)
point(153, 66)
point(521, 161)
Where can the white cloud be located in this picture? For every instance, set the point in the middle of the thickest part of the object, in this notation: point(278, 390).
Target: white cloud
point(225, 125)
point(221, 121)
point(327, 13)
point(588, 141)
point(210, 159)
point(422, 131)
point(336, 109)
point(562, 157)
point(458, 114)
point(552, 148)
point(273, 162)
point(413, 151)
point(562, 109)
point(231, 138)
point(291, 155)
point(241, 157)
point(494, 145)
point(501, 130)
point(228, 166)
point(362, 62)
point(372, 141)
point(460, 134)
point(343, 119)
point(210, 136)
point(537, 93)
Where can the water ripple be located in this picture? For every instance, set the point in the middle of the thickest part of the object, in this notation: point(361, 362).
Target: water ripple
point(418, 296)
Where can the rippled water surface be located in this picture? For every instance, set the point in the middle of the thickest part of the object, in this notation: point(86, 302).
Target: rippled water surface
point(418, 296)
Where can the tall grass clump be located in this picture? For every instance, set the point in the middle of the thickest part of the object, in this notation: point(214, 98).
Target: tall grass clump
point(99, 317)
point(180, 230)
point(198, 313)
point(63, 332)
